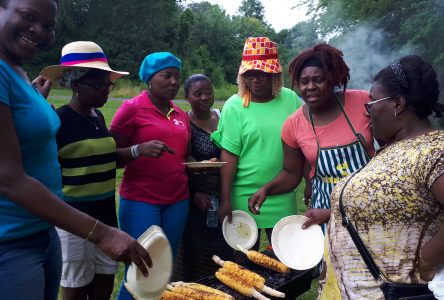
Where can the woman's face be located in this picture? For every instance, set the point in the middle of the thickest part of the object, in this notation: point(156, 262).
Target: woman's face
point(26, 27)
point(382, 117)
point(165, 84)
point(93, 89)
point(259, 83)
point(200, 96)
point(313, 87)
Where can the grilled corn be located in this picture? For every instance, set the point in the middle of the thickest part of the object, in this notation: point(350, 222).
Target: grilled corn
point(243, 273)
point(169, 295)
point(238, 285)
point(264, 260)
point(197, 292)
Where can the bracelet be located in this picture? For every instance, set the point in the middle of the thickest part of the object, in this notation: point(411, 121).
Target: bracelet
point(135, 151)
point(92, 231)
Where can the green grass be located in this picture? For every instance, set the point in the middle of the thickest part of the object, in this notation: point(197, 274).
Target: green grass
point(108, 111)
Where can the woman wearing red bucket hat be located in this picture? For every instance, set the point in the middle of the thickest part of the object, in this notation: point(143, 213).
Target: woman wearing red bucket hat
point(249, 133)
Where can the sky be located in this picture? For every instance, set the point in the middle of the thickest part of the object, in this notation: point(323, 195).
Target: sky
point(278, 13)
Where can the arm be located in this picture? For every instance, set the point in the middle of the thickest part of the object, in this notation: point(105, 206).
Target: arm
point(152, 148)
point(15, 185)
point(286, 181)
point(227, 173)
point(430, 255)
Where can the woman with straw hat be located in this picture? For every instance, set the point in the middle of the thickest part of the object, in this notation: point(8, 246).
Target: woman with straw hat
point(87, 157)
point(30, 177)
point(249, 133)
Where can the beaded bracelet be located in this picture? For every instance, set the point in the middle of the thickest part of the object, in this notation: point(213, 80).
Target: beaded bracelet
point(92, 231)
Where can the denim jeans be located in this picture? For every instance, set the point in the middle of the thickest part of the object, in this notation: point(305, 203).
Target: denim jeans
point(30, 267)
point(135, 217)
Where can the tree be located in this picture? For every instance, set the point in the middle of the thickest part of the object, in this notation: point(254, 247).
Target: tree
point(252, 9)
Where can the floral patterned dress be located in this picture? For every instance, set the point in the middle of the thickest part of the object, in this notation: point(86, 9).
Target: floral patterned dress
point(392, 207)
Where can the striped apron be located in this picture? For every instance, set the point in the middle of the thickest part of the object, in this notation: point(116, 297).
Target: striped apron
point(335, 163)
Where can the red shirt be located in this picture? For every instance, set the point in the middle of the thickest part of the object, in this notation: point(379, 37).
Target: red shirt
point(160, 180)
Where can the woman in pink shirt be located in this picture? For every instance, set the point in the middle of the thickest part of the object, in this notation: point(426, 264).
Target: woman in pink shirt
point(152, 136)
point(330, 131)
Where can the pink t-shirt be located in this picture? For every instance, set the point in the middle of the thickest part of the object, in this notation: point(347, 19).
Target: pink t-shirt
point(160, 180)
point(297, 131)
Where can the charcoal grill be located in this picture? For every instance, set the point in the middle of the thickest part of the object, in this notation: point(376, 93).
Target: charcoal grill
point(292, 284)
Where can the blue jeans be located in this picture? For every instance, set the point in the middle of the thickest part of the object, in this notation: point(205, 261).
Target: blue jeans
point(135, 217)
point(30, 267)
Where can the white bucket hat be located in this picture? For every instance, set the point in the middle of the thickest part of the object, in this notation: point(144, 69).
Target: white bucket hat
point(81, 54)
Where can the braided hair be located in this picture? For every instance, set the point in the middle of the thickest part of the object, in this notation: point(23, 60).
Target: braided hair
point(328, 58)
point(416, 80)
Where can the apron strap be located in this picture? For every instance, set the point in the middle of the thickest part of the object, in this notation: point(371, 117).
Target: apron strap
point(359, 136)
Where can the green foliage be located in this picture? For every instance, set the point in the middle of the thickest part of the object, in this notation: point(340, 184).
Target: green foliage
point(252, 9)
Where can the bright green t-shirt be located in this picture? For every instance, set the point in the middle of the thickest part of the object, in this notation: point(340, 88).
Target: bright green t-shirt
point(253, 133)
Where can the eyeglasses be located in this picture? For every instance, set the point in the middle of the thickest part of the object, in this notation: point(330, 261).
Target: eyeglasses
point(368, 105)
point(259, 75)
point(101, 88)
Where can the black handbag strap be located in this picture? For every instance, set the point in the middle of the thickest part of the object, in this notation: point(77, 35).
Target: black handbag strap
point(366, 256)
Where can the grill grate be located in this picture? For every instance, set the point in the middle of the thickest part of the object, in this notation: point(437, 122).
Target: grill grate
point(292, 284)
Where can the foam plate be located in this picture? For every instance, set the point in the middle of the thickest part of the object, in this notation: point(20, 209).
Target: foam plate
point(242, 230)
point(298, 248)
point(204, 164)
point(157, 245)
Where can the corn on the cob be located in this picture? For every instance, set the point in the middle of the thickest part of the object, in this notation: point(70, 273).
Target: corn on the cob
point(204, 288)
point(264, 260)
point(169, 295)
point(238, 285)
point(196, 293)
point(244, 273)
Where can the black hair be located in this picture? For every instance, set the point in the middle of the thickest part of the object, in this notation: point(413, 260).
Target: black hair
point(416, 80)
point(192, 79)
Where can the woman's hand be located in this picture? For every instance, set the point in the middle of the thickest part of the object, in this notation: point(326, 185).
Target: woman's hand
point(202, 201)
point(316, 216)
point(154, 148)
point(122, 247)
point(43, 85)
point(225, 210)
point(256, 200)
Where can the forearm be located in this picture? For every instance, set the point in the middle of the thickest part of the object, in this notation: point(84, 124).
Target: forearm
point(284, 182)
point(227, 173)
point(124, 156)
point(431, 252)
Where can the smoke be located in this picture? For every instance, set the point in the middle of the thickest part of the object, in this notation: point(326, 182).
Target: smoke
point(366, 51)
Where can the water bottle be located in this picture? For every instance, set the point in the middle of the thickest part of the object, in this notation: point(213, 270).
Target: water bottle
point(212, 219)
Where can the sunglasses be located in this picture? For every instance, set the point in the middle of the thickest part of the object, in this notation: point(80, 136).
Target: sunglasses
point(259, 75)
point(101, 88)
point(368, 105)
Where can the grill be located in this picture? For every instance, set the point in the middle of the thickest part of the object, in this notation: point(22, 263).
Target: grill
point(292, 284)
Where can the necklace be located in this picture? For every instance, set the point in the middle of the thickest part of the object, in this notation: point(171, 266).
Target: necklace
point(94, 124)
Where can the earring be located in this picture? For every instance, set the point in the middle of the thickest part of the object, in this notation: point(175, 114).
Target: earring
point(396, 114)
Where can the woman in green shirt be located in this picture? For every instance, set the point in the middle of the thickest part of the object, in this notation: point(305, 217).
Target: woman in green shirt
point(249, 134)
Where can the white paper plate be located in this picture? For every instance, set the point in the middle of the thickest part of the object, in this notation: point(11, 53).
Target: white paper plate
point(242, 230)
point(157, 245)
point(204, 164)
point(298, 248)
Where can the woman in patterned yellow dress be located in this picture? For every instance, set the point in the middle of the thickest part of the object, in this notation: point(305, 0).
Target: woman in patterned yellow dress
point(396, 201)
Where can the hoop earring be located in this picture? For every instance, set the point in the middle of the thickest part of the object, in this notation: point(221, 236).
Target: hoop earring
point(396, 114)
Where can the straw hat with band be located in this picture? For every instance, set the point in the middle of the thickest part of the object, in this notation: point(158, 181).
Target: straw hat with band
point(77, 58)
point(260, 53)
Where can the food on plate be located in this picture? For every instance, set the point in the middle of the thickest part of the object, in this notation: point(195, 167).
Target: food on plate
point(249, 277)
point(264, 260)
point(198, 291)
point(238, 285)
